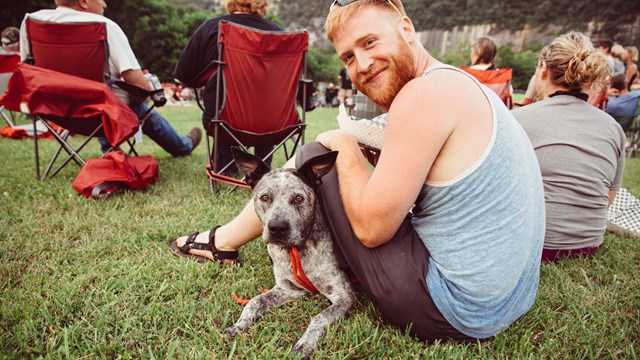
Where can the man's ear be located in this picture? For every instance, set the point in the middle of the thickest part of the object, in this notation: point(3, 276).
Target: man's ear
point(251, 166)
point(408, 30)
point(543, 70)
point(83, 4)
point(315, 168)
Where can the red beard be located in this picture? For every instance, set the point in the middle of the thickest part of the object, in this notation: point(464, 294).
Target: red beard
point(400, 69)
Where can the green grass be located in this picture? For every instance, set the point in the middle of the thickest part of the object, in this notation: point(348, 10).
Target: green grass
point(96, 279)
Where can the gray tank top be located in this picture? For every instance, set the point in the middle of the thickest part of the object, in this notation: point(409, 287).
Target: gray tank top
point(484, 231)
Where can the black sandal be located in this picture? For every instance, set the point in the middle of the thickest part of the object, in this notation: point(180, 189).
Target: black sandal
point(221, 256)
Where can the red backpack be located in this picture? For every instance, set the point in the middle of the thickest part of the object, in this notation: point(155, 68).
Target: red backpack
point(99, 178)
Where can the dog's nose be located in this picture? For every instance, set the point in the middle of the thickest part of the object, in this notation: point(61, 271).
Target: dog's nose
point(278, 226)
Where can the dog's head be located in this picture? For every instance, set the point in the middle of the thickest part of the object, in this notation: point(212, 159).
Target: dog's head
point(284, 199)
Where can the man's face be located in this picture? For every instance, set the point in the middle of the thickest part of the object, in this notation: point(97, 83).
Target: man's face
point(379, 60)
point(94, 6)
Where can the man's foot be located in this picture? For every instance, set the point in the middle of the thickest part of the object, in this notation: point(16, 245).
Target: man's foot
point(201, 247)
point(195, 135)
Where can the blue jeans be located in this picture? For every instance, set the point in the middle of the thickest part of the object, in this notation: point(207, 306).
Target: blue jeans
point(160, 131)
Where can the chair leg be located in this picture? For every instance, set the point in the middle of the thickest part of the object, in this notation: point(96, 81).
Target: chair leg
point(73, 154)
point(35, 142)
point(6, 118)
point(212, 186)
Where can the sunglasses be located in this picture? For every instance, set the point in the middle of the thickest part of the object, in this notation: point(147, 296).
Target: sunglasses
point(347, 2)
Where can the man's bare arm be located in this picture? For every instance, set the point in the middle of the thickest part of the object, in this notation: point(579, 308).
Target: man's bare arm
point(377, 203)
point(136, 77)
point(612, 195)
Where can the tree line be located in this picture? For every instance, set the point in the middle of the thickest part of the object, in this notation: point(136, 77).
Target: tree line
point(159, 29)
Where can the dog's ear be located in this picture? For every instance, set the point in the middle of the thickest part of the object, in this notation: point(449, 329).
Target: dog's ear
point(251, 166)
point(315, 168)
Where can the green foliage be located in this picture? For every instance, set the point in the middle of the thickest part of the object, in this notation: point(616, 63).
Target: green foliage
point(568, 14)
point(523, 64)
point(459, 56)
point(158, 30)
point(273, 17)
point(12, 12)
point(323, 65)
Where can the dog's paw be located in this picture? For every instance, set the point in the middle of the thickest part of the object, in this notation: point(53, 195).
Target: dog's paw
point(303, 349)
point(231, 331)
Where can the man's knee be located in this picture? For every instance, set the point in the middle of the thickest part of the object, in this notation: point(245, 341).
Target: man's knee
point(308, 151)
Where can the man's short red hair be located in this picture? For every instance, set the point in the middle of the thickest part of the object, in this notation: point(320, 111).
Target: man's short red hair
point(339, 15)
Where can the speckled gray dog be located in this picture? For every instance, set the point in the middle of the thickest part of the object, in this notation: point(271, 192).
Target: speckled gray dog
point(289, 211)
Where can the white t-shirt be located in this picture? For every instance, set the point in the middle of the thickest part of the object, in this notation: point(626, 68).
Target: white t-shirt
point(121, 57)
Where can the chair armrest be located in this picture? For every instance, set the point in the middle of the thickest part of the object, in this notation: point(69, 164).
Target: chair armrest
point(200, 80)
point(142, 94)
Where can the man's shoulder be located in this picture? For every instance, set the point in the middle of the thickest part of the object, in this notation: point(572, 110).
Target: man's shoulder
point(69, 15)
point(251, 20)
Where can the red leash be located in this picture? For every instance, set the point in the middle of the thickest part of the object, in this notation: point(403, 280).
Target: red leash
point(296, 270)
point(298, 273)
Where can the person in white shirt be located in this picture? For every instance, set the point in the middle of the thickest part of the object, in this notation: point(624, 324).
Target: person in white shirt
point(123, 65)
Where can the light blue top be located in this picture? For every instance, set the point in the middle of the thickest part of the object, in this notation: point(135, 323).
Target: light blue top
point(484, 231)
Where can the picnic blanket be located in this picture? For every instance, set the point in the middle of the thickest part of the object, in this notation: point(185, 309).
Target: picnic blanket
point(624, 214)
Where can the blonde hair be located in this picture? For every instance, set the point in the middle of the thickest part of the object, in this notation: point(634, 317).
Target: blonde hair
point(617, 50)
point(633, 51)
point(486, 49)
point(257, 7)
point(573, 62)
point(339, 15)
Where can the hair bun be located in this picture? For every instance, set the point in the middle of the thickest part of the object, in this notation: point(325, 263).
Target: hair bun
point(582, 55)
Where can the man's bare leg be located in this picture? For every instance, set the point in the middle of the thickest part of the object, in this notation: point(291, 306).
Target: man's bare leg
point(231, 236)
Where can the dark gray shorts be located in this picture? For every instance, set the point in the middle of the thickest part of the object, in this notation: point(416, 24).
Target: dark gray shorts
point(393, 274)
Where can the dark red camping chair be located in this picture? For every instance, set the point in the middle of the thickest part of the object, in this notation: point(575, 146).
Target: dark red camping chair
point(69, 86)
point(498, 80)
point(259, 72)
point(8, 64)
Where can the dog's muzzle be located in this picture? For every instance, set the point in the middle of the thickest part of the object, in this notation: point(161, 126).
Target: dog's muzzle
point(279, 230)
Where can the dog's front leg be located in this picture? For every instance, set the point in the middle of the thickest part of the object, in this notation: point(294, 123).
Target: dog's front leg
point(340, 305)
point(258, 306)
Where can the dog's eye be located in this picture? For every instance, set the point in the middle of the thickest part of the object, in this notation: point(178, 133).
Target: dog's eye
point(298, 199)
point(264, 197)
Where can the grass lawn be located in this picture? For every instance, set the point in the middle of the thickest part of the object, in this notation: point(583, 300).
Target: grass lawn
point(85, 279)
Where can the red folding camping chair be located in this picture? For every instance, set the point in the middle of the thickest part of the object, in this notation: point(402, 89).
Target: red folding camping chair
point(498, 80)
point(8, 64)
point(69, 86)
point(259, 72)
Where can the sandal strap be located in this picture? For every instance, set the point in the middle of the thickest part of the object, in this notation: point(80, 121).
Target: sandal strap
point(191, 244)
point(220, 254)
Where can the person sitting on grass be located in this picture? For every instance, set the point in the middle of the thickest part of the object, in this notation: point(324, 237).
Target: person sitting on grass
point(579, 147)
point(445, 234)
point(622, 104)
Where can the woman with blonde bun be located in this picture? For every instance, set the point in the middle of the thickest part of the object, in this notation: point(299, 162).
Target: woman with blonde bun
point(579, 147)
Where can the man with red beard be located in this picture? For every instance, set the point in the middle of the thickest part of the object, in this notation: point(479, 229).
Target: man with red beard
point(445, 234)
